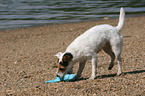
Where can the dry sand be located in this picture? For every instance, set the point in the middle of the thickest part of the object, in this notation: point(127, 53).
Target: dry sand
point(27, 61)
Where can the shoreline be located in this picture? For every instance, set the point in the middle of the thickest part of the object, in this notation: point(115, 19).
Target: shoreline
point(27, 60)
point(89, 20)
point(27, 31)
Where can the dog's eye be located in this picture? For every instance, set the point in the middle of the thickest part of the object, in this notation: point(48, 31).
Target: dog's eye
point(62, 69)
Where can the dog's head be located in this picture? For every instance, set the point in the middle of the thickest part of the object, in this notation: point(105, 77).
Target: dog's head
point(63, 63)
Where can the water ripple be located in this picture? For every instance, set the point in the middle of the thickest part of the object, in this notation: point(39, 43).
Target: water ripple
point(22, 13)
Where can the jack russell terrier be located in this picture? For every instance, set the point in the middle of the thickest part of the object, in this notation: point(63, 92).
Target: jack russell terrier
point(89, 44)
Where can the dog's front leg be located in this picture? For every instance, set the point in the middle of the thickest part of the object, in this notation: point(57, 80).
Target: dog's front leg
point(94, 67)
point(80, 70)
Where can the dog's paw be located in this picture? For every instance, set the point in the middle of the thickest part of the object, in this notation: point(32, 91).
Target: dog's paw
point(75, 78)
point(110, 66)
point(92, 78)
point(119, 73)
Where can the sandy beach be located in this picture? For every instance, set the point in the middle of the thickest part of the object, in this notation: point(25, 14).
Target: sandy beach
point(27, 60)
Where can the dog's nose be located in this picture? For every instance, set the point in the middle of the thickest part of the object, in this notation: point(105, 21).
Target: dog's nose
point(57, 75)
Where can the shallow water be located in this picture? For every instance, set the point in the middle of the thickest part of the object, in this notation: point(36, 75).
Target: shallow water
point(24, 13)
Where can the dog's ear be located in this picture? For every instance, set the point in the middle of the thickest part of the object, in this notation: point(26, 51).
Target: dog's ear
point(58, 54)
point(67, 57)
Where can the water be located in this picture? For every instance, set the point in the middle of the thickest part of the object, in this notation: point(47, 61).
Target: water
point(25, 13)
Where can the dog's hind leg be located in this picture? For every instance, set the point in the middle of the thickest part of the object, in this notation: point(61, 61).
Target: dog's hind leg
point(117, 51)
point(119, 65)
point(109, 51)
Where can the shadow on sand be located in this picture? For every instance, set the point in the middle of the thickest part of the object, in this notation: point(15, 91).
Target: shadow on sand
point(113, 75)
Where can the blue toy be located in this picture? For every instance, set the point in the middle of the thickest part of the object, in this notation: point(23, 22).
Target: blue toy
point(67, 77)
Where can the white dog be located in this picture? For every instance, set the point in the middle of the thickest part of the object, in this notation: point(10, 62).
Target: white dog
point(89, 44)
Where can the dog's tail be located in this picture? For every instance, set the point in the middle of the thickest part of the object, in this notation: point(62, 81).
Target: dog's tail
point(121, 19)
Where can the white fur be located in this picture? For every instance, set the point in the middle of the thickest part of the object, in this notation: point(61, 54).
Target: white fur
point(90, 43)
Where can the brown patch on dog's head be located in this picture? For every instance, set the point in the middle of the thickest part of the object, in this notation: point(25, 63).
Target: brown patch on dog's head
point(63, 64)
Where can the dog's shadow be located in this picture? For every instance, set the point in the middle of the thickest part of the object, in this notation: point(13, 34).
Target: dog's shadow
point(113, 75)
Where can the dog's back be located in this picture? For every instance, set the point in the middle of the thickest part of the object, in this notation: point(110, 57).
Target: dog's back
point(94, 39)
